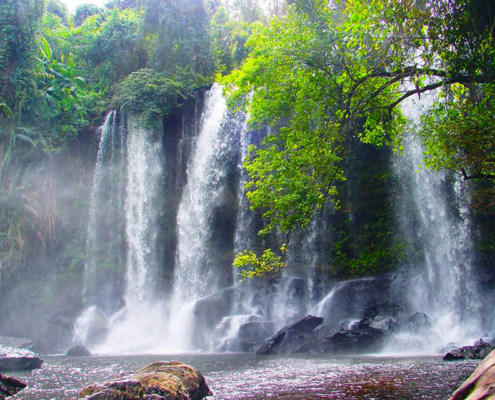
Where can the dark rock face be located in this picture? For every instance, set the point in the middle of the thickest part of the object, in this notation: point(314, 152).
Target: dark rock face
point(10, 386)
point(252, 334)
point(79, 351)
point(293, 338)
point(209, 312)
point(476, 352)
point(309, 336)
point(418, 322)
point(14, 359)
point(171, 380)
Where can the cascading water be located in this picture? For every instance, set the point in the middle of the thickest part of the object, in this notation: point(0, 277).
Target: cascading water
point(139, 325)
point(198, 272)
point(434, 217)
point(127, 186)
point(103, 247)
point(206, 307)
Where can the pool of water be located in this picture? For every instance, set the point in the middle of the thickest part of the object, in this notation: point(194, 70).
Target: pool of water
point(247, 376)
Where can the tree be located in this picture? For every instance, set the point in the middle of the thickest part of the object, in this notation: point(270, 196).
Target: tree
point(322, 76)
point(84, 11)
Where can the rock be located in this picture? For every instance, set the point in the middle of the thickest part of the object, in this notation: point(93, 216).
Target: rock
point(294, 338)
point(418, 322)
point(477, 352)
point(79, 351)
point(356, 341)
point(209, 311)
point(448, 347)
point(170, 380)
point(15, 359)
point(481, 384)
point(10, 386)
point(24, 343)
point(252, 334)
point(308, 324)
point(385, 324)
point(367, 335)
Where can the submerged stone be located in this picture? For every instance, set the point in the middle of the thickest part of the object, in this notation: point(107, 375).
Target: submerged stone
point(15, 359)
point(164, 380)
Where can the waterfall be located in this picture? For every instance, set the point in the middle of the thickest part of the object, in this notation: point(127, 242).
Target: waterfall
point(144, 175)
point(434, 217)
point(206, 198)
point(122, 239)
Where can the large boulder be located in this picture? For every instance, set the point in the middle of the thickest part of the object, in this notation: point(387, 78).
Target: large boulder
point(15, 359)
point(79, 351)
point(418, 323)
point(367, 335)
point(477, 352)
point(10, 386)
point(209, 311)
point(170, 380)
point(251, 334)
point(481, 384)
point(294, 338)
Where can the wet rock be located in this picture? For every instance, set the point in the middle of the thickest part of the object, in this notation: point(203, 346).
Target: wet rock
point(252, 334)
point(481, 384)
point(170, 380)
point(418, 322)
point(476, 352)
point(10, 386)
point(24, 343)
point(308, 324)
point(385, 324)
point(209, 311)
point(366, 335)
point(294, 338)
point(15, 359)
point(448, 347)
point(79, 351)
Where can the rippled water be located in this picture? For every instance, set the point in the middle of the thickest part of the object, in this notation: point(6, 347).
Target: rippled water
point(247, 376)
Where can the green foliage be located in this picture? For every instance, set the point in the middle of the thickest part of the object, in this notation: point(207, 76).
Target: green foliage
point(150, 93)
point(84, 11)
point(178, 32)
point(323, 76)
point(268, 265)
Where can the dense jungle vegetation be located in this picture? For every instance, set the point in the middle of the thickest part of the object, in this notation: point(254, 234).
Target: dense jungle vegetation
point(323, 74)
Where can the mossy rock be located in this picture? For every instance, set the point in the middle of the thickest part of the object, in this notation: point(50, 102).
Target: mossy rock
point(164, 380)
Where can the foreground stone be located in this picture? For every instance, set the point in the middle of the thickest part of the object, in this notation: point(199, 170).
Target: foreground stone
point(476, 352)
point(481, 384)
point(293, 338)
point(14, 359)
point(10, 386)
point(171, 380)
point(79, 351)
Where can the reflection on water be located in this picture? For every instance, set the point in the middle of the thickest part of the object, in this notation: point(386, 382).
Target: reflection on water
point(247, 376)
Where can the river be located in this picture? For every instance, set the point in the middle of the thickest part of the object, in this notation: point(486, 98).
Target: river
point(247, 376)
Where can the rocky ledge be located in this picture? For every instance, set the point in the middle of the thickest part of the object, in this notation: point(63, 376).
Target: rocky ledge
point(165, 380)
point(309, 335)
point(9, 386)
point(15, 359)
point(481, 384)
point(479, 351)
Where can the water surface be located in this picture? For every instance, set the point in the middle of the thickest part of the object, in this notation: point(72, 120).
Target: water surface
point(247, 376)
